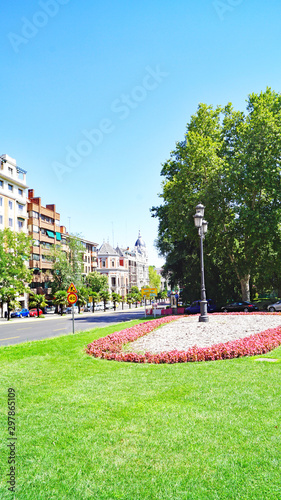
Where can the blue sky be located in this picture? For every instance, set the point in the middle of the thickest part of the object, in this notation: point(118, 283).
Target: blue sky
point(96, 94)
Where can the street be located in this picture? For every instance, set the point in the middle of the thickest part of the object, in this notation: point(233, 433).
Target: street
point(21, 330)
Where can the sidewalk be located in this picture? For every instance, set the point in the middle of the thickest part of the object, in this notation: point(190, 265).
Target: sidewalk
point(67, 316)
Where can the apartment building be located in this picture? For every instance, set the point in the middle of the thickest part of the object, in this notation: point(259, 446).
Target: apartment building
point(13, 198)
point(89, 256)
point(46, 231)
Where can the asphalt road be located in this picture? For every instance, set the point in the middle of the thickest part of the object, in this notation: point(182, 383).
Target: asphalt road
point(20, 330)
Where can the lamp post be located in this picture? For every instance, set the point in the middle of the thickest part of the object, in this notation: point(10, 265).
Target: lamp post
point(202, 226)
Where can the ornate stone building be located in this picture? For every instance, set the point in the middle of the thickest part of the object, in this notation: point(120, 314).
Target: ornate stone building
point(124, 267)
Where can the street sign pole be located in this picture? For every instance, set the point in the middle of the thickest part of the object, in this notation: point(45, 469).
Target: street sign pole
point(72, 308)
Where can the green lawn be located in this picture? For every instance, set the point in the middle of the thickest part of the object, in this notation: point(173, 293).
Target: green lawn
point(96, 429)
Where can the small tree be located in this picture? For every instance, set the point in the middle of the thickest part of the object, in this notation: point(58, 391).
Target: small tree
point(8, 295)
point(95, 298)
point(105, 297)
point(38, 301)
point(136, 295)
point(82, 295)
point(60, 299)
point(129, 300)
point(122, 300)
point(116, 298)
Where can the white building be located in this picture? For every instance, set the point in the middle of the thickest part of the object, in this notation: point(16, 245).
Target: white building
point(138, 264)
point(13, 195)
point(113, 264)
point(13, 202)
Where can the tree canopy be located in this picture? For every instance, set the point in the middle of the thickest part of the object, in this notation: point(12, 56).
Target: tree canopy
point(230, 162)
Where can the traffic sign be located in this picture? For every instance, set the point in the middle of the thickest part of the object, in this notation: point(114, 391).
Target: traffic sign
point(72, 298)
point(148, 292)
point(72, 288)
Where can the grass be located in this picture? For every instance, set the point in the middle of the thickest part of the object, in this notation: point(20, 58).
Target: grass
point(103, 430)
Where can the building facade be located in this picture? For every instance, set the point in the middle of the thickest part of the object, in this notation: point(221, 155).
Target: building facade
point(113, 264)
point(45, 229)
point(13, 195)
point(124, 268)
point(89, 256)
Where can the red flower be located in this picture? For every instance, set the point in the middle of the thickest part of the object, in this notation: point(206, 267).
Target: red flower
point(110, 347)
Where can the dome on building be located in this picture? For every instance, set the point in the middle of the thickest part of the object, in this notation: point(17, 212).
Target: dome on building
point(140, 243)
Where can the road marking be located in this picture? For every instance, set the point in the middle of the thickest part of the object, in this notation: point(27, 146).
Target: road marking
point(58, 329)
point(10, 338)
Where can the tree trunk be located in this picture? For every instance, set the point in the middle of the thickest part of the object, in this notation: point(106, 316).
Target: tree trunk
point(93, 307)
point(245, 287)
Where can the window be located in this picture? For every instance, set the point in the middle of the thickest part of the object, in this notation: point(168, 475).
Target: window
point(10, 170)
point(1, 184)
point(35, 256)
point(112, 263)
point(20, 207)
point(47, 219)
point(1, 219)
point(20, 224)
point(1, 202)
point(10, 205)
point(10, 187)
point(20, 192)
point(113, 281)
point(35, 229)
point(103, 263)
point(36, 243)
point(10, 222)
point(34, 215)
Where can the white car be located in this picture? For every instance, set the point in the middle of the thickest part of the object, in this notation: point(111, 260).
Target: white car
point(274, 307)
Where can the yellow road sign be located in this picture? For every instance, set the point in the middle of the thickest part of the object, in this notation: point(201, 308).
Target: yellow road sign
point(72, 288)
point(72, 298)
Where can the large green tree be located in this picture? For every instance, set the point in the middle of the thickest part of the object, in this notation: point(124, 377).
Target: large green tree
point(230, 162)
point(97, 282)
point(154, 278)
point(14, 274)
point(68, 265)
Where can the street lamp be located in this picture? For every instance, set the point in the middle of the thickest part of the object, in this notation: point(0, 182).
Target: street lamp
point(202, 226)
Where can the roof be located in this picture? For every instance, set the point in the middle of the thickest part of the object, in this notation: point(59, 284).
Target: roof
point(106, 249)
point(140, 242)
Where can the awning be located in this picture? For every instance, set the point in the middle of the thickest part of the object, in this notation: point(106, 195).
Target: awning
point(58, 235)
point(50, 234)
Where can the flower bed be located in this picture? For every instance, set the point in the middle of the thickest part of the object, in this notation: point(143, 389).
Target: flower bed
point(110, 347)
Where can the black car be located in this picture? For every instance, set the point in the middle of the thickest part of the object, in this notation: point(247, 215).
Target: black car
point(239, 307)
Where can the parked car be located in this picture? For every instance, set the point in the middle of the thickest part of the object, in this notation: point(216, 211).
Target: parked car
point(23, 313)
point(69, 310)
point(194, 308)
point(98, 307)
point(274, 307)
point(244, 306)
point(33, 312)
point(50, 310)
